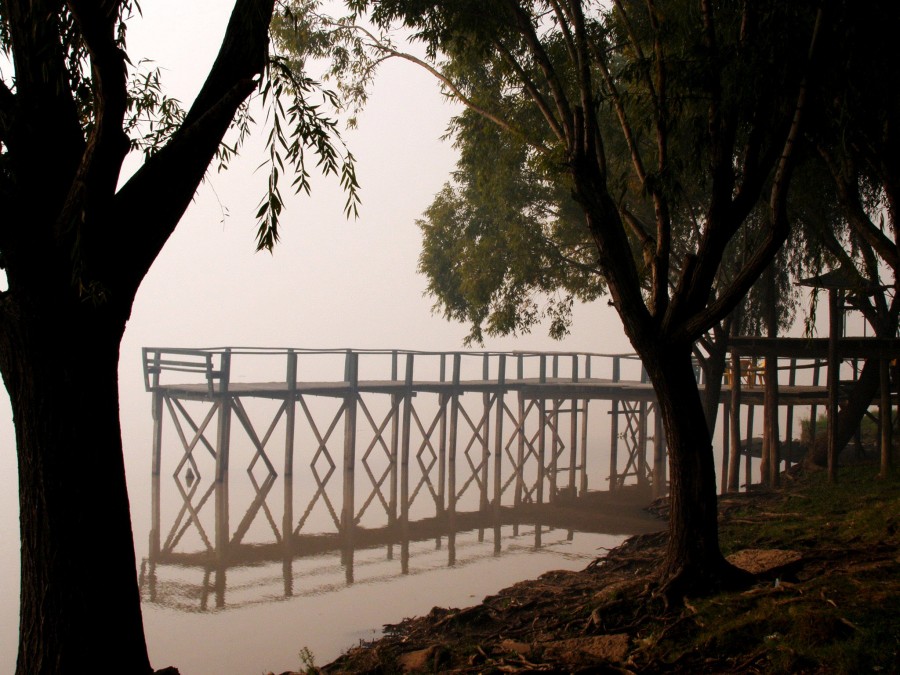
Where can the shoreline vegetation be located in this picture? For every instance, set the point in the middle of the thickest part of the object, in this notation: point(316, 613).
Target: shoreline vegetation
point(826, 599)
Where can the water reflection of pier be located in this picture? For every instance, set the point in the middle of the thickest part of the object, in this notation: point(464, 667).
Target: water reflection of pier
point(321, 563)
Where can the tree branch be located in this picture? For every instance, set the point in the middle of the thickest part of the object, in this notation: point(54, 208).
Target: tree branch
point(536, 48)
point(848, 193)
point(177, 169)
point(107, 145)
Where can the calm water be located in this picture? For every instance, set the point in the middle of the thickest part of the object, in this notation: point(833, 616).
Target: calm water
point(258, 628)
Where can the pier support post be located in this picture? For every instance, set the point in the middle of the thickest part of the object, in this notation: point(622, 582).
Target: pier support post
point(223, 442)
point(348, 512)
point(404, 461)
point(734, 411)
point(498, 433)
point(484, 500)
point(155, 471)
point(884, 415)
point(520, 450)
point(542, 433)
point(290, 410)
point(614, 430)
point(451, 459)
point(395, 435)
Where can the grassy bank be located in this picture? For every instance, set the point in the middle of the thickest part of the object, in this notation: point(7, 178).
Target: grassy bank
point(830, 604)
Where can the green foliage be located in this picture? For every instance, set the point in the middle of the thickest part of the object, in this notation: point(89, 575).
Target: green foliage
point(152, 116)
point(503, 245)
point(299, 127)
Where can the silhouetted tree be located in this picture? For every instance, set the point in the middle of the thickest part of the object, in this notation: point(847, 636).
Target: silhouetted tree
point(75, 245)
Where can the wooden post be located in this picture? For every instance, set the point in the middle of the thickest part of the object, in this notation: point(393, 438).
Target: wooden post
point(771, 437)
point(584, 429)
point(442, 456)
point(395, 440)
point(614, 430)
point(404, 459)
point(885, 419)
point(584, 434)
point(348, 513)
point(223, 439)
point(789, 422)
point(748, 452)
point(498, 438)
point(555, 449)
point(726, 440)
point(834, 365)
point(155, 473)
point(287, 521)
point(520, 450)
point(442, 442)
point(484, 500)
point(814, 409)
point(734, 410)
point(573, 433)
point(451, 460)
point(542, 432)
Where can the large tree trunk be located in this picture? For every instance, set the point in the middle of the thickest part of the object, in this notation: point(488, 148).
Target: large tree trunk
point(79, 593)
point(694, 562)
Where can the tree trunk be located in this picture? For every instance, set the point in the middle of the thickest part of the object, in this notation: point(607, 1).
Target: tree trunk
point(79, 592)
point(694, 562)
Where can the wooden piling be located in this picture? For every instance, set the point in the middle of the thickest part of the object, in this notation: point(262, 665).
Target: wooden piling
point(734, 410)
point(290, 404)
point(223, 441)
point(348, 512)
point(614, 430)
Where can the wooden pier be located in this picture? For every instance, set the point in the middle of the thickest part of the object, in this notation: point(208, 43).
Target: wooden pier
point(386, 437)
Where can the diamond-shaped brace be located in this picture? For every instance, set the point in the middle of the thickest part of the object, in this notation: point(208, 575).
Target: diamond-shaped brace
point(378, 440)
point(268, 470)
point(188, 469)
point(322, 452)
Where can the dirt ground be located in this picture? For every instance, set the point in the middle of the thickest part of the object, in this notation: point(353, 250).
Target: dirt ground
point(826, 599)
